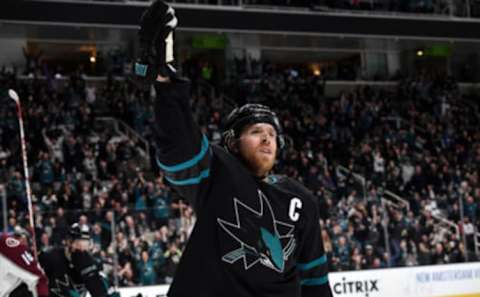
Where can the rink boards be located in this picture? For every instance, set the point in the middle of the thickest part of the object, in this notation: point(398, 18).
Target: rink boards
point(454, 280)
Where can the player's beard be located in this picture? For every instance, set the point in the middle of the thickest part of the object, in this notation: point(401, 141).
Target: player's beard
point(258, 163)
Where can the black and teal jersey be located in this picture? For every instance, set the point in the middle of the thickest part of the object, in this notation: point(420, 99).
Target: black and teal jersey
point(253, 237)
point(73, 276)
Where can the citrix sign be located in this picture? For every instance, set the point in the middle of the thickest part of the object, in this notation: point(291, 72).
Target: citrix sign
point(355, 287)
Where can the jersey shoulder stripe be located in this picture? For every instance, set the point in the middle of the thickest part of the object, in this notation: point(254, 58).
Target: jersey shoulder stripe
point(189, 163)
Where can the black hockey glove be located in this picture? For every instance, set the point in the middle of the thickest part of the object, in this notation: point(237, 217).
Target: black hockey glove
point(157, 27)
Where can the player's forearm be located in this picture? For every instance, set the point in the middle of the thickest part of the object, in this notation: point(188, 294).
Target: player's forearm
point(183, 154)
point(177, 135)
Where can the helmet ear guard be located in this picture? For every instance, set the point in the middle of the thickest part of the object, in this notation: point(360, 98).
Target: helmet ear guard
point(228, 138)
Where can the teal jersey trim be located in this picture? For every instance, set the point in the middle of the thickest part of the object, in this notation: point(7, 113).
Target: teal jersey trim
point(141, 69)
point(105, 284)
point(312, 264)
point(73, 293)
point(190, 181)
point(272, 179)
point(314, 281)
point(190, 163)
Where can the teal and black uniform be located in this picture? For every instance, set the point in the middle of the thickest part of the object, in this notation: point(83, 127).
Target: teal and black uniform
point(74, 276)
point(253, 237)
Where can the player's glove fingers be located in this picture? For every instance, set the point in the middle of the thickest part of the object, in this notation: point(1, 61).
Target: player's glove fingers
point(164, 45)
point(153, 25)
point(156, 42)
point(171, 20)
point(165, 38)
point(152, 20)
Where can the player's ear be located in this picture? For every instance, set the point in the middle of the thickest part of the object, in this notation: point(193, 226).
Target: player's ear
point(233, 145)
point(236, 145)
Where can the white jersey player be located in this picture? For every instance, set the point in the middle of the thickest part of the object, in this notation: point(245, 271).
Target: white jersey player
point(20, 273)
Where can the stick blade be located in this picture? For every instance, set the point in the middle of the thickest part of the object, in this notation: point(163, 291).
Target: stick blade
point(13, 95)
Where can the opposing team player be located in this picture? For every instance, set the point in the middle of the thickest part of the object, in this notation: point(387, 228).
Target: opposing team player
point(20, 274)
point(71, 270)
point(256, 234)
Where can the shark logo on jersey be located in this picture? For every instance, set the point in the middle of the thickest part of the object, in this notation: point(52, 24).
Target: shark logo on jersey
point(68, 289)
point(262, 238)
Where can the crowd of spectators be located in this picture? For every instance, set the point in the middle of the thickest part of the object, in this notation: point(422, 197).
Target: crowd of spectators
point(84, 171)
point(417, 140)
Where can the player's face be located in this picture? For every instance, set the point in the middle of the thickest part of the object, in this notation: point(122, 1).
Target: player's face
point(257, 146)
point(80, 245)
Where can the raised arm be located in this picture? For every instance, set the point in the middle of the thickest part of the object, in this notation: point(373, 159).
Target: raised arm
point(183, 154)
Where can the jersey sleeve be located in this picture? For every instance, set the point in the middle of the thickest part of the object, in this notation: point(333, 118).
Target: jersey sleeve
point(18, 254)
point(312, 263)
point(42, 285)
point(90, 274)
point(183, 153)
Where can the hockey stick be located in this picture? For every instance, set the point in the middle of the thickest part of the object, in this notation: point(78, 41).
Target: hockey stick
point(14, 96)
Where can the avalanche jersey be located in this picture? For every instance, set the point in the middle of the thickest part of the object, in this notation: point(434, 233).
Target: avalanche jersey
point(253, 237)
point(18, 266)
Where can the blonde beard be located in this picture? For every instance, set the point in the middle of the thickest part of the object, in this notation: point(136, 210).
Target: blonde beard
point(259, 167)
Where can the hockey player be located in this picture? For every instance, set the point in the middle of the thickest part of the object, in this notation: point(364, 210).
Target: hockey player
point(256, 234)
point(71, 270)
point(20, 274)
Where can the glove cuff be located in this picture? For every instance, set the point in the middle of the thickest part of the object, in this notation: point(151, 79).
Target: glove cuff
point(141, 69)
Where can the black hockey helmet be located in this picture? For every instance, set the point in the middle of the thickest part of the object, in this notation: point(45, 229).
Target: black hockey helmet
point(78, 231)
point(251, 114)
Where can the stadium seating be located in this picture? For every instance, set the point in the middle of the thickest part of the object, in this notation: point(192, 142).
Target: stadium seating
point(388, 167)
